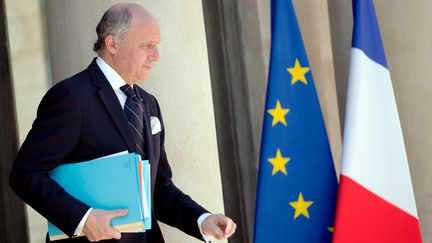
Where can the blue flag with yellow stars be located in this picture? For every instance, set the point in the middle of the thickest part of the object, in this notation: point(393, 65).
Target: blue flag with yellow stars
point(297, 183)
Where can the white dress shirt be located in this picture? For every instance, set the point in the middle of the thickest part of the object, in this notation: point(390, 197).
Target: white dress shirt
point(116, 81)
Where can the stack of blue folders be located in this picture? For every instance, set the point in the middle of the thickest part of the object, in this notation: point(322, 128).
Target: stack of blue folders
point(114, 182)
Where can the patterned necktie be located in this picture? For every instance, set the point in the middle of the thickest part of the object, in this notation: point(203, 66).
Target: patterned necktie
point(133, 109)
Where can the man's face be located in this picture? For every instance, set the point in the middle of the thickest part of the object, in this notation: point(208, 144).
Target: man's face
point(138, 49)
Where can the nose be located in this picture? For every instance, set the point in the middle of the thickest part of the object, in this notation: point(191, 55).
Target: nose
point(154, 55)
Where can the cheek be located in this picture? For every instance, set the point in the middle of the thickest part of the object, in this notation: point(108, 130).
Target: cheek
point(141, 54)
point(138, 58)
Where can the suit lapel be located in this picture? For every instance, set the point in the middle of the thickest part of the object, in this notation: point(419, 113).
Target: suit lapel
point(112, 105)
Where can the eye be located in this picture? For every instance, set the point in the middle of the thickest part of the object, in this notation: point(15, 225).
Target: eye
point(148, 45)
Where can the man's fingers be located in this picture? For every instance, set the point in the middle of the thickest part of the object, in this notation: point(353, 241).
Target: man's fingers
point(232, 230)
point(212, 227)
point(115, 234)
point(217, 232)
point(228, 223)
point(112, 232)
point(223, 227)
point(230, 227)
point(218, 226)
point(97, 226)
point(91, 238)
point(118, 213)
point(107, 234)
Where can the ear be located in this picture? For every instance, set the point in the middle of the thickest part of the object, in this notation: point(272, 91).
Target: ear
point(111, 44)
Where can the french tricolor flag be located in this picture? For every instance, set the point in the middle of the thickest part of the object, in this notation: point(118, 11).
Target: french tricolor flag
point(375, 199)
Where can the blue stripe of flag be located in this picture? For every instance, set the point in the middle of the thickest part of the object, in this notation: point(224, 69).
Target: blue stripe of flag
point(366, 33)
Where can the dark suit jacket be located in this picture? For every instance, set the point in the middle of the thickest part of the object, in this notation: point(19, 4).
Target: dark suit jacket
point(80, 119)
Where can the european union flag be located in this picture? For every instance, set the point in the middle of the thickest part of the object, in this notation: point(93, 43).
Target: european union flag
point(297, 182)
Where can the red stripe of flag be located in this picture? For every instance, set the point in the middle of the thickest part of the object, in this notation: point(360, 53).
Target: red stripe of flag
point(364, 217)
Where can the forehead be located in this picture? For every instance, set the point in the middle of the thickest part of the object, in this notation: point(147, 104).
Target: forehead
point(144, 27)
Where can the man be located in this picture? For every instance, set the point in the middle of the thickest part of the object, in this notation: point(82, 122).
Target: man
point(89, 116)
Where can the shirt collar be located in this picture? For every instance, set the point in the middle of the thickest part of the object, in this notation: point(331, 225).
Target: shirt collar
point(115, 80)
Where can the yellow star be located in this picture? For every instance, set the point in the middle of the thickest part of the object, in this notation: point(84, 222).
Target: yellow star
point(301, 206)
point(279, 163)
point(298, 73)
point(278, 114)
point(330, 229)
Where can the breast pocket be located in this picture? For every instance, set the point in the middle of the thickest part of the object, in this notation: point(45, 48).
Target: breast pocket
point(155, 125)
point(156, 128)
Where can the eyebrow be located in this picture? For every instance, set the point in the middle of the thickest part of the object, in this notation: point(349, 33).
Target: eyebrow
point(151, 42)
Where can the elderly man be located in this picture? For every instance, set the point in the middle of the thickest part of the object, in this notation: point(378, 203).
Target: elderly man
point(101, 111)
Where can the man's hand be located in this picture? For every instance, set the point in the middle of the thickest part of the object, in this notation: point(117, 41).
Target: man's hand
point(218, 226)
point(97, 226)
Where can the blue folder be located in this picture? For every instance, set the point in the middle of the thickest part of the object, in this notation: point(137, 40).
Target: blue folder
point(146, 180)
point(108, 183)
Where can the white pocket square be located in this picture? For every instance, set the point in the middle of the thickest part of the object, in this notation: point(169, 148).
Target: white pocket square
point(155, 125)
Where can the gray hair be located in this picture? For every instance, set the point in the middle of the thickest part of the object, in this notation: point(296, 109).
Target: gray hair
point(115, 22)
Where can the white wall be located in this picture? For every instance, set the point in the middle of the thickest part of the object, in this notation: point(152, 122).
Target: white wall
point(30, 72)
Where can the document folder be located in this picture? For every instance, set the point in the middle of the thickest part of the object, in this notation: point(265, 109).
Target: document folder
point(114, 182)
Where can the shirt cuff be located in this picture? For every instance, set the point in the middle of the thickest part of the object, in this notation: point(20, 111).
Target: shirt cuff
point(78, 230)
point(201, 218)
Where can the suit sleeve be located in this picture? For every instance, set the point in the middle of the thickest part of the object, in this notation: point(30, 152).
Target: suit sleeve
point(53, 136)
point(171, 205)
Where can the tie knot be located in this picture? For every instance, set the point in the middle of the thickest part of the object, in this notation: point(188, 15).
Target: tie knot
point(128, 90)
